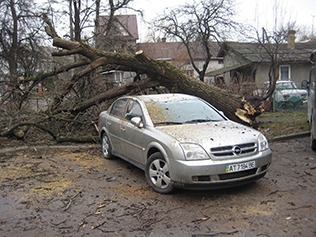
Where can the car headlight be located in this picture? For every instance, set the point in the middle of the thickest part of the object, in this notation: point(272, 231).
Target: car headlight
point(263, 142)
point(194, 151)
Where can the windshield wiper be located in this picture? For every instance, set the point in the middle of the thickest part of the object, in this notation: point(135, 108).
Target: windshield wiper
point(198, 121)
point(168, 123)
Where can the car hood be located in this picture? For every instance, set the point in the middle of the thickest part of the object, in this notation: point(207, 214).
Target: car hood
point(293, 92)
point(212, 134)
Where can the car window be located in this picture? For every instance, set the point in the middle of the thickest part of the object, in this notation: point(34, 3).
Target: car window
point(181, 111)
point(133, 110)
point(118, 108)
point(285, 85)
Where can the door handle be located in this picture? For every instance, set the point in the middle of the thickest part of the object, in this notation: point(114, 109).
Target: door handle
point(123, 129)
point(108, 123)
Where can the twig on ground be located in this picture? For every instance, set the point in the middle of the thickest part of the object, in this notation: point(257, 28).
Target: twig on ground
point(71, 199)
point(295, 208)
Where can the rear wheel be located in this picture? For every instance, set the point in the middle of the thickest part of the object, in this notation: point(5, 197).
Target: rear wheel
point(313, 144)
point(106, 147)
point(313, 139)
point(158, 174)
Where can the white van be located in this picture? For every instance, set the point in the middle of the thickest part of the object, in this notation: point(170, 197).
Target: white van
point(312, 100)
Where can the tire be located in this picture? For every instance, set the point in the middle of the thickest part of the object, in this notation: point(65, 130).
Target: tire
point(106, 147)
point(313, 140)
point(158, 175)
point(313, 145)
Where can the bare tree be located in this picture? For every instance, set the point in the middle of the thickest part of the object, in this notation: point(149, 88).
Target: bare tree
point(107, 34)
point(198, 24)
point(20, 34)
point(273, 44)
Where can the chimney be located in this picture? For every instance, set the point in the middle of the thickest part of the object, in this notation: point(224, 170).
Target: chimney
point(164, 39)
point(291, 39)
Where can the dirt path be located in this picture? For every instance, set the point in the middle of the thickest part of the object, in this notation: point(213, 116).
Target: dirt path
point(74, 192)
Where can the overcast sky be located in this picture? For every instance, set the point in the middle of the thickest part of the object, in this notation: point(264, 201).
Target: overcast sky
point(258, 13)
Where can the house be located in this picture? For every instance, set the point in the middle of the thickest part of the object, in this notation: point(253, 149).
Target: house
point(177, 54)
point(121, 37)
point(248, 64)
point(123, 32)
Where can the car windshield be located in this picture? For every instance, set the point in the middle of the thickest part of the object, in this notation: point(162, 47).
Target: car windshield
point(181, 111)
point(285, 86)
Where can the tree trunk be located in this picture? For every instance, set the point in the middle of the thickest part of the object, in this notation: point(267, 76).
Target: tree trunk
point(234, 107)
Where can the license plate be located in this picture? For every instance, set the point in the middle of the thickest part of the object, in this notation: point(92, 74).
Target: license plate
point(240, 166)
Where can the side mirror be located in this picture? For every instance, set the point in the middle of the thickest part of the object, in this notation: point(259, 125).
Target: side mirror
point(304, 84)
point(137, 121)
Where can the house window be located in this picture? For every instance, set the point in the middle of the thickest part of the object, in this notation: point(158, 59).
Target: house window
point(284, 73)
point(189, 72)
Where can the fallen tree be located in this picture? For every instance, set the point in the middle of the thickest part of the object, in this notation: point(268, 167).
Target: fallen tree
point(67, 106)
point(159, 73)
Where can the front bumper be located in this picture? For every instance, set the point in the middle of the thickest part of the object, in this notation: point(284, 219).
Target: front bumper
point(209, 174)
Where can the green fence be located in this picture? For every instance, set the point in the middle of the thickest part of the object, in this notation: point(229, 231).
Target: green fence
point(285, 100)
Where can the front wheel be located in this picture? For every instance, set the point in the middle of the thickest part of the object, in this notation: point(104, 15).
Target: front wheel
point(106, 147)
point(158, 174)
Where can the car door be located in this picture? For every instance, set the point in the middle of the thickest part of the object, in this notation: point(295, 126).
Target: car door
point(132, 136)
point(114, 124)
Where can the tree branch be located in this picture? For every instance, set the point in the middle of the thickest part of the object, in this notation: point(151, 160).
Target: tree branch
point(113, 93)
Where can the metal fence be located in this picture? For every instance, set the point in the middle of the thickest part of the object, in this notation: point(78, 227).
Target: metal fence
point(282, 100)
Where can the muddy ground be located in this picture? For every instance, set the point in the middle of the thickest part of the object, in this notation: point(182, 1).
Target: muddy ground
point(73, 191)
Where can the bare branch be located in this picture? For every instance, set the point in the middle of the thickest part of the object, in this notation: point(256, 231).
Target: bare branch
point(196, 25)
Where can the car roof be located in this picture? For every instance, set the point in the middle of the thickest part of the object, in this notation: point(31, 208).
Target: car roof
point(283, 81)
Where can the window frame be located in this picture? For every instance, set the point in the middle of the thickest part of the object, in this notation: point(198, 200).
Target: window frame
point(116, 109)
point(289, 78)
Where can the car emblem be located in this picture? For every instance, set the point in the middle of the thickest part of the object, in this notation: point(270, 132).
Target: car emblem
point(236, 150)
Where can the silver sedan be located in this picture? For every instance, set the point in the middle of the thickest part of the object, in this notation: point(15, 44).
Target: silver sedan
point(182, 141)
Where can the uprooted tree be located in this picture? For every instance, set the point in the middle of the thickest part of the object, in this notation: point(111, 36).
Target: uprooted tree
point(67, 107)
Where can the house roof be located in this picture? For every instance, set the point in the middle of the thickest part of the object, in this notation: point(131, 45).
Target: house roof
point(176, 50)
point(254, 52)
point(126, 24)
point(225, 69)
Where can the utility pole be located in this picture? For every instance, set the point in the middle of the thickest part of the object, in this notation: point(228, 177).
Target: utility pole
point(313, 26)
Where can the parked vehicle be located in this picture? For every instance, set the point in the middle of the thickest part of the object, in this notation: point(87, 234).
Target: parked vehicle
point(182, 141)
point(312, 100)
point(285, 96)
point(288, 91)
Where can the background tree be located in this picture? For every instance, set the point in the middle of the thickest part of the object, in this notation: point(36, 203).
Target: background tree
point(68, 89)
point(198, 24)
point(20, 50)
point(273, 44)
point(108, 36)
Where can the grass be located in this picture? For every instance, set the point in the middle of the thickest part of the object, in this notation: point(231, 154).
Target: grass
point(274, 124)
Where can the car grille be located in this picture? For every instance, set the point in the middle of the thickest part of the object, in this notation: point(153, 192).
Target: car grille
point(241, 174)
point(286, 97)
point(237, 174)
point(229, 176)
point(235, 150)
